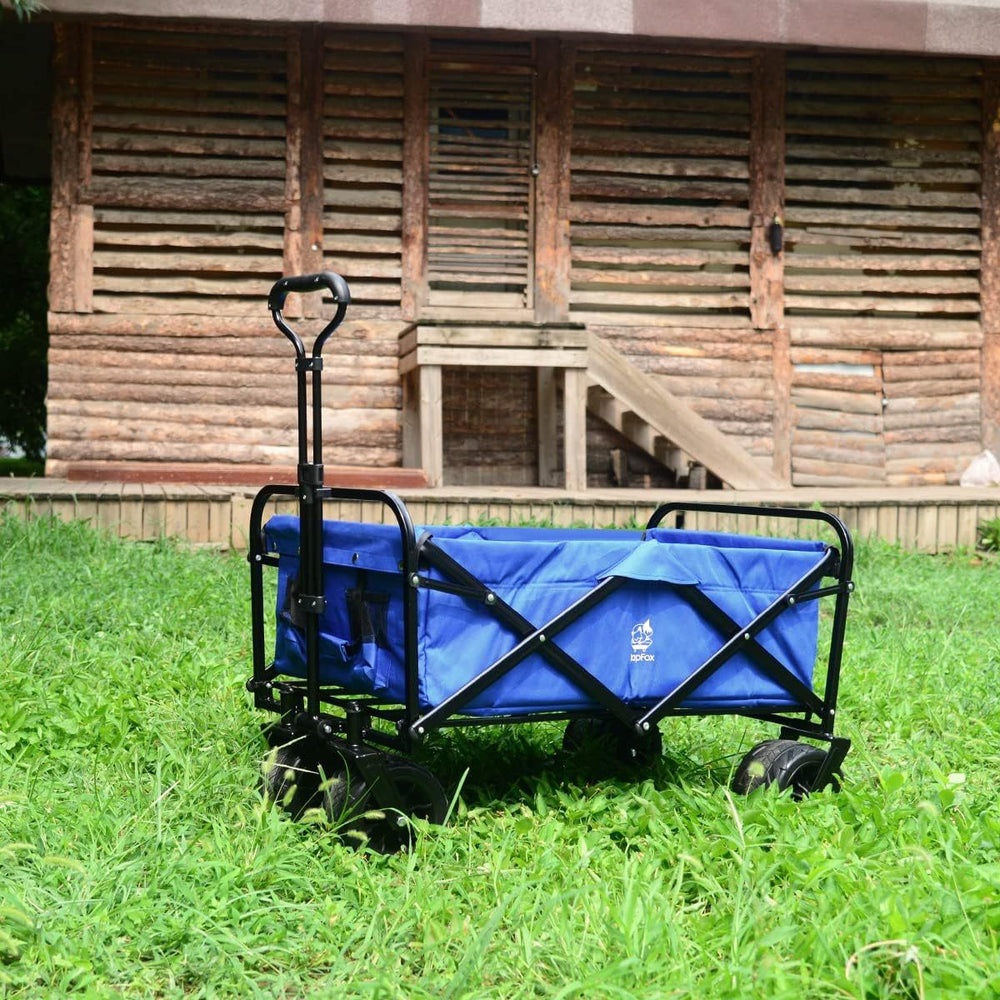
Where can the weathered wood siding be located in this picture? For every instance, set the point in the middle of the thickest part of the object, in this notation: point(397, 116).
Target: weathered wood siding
point(660, 226)
point(362, 151)
point(625, 186)
point(208, 170)
point(882, 268)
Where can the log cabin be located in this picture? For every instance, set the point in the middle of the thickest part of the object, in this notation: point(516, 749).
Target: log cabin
point(600, 243)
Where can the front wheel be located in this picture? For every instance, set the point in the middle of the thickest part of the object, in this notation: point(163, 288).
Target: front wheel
point(783, 763)
point(350, 805)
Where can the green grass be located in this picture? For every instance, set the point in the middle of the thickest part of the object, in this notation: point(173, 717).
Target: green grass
point(137, 860)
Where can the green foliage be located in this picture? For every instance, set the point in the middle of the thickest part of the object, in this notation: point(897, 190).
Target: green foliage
point(24, 226)
point(22, 8)
point(137, 859)
point(989, 535)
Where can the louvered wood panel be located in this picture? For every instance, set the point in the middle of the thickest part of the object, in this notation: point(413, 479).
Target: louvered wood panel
point(188, 169)
point(480, 181)
point(660, 188)
point(362, 166)
point(882, 198)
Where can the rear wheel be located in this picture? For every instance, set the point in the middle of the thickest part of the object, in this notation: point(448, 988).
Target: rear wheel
point(610, 736)
point(784, 763)
point(350, 805)
point(291, 779)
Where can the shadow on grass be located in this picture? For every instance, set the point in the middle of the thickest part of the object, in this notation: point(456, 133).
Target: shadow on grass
point(510, 765)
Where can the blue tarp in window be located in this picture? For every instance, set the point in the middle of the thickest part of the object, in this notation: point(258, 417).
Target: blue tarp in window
point(641, 642)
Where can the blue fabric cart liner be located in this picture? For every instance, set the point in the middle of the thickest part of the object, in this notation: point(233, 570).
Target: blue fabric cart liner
point(641, 641)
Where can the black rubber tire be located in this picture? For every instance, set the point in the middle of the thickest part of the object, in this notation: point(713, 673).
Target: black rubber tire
point(784, 763)
point(350, 805)
point(594, 733)
point(291, 780)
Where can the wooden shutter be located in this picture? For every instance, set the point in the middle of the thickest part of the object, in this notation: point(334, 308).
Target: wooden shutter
point(882, 256)
point(660, 191)
point(480, 188)
point(188, 169)
point(362, 166)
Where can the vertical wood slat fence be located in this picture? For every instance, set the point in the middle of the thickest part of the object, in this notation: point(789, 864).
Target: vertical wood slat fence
point(924, 518)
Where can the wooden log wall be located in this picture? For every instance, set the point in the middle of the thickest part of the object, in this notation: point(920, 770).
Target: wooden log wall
point(211, 163)
point(194, 165)
point(882, 267)
point(660, 235)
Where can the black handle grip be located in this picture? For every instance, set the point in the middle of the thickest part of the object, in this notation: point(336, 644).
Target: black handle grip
point(334, 283)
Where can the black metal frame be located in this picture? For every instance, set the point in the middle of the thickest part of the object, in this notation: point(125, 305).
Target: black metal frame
point(353, 734)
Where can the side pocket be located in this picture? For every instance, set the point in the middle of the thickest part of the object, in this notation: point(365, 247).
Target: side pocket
point(368, 611)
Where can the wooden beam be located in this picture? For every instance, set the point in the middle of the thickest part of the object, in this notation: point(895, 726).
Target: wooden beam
point(575, 428)
point(767, 187)
point(311, 163)
point(71, 230)
point(554, 125)
point(782, 416)
point(292, 248)
point(416, 150)
point(989, 295)
point(548, 429)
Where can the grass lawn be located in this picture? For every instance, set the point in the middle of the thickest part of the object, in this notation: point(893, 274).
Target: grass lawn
point(137, 859)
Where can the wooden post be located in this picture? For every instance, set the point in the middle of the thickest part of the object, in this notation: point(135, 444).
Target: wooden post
point(416, 150)
point(292, 251)
point(781, 422)
point(989, 295)
point(71, 230)
point(554, 125)
point(548, 429)
point(767, 188)
point(575, 428)
point(83, 215)
point(311, 163)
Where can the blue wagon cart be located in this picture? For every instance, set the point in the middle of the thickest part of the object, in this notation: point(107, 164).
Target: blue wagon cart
point(386, 633)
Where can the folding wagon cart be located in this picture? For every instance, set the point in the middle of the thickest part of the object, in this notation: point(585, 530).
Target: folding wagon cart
point(385, 633)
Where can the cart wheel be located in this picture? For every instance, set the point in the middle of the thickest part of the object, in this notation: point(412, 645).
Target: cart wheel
point(628, 747)
point(349, 805)
point(291, 780)
point(785, 763)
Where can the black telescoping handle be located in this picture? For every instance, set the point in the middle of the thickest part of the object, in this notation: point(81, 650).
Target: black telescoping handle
point(305, 283)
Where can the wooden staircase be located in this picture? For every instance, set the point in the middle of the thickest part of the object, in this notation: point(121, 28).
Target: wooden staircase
point(588, 373)
point(660, 424)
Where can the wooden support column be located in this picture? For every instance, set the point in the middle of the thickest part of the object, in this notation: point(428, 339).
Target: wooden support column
point(292, 251)
point(311, 164)
point(781, 422)
point(416, 150)
point(423, 425)
point(767, 188)
point(548, 426)
point(767, 268)
point(71, 230)
point(554, 126)
point(575, 428)
point(990, 260)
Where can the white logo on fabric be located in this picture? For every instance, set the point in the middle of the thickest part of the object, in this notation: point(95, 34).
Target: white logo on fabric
point(642, 639)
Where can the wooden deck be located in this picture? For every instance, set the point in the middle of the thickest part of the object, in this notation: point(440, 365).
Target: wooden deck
point(932, 519)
